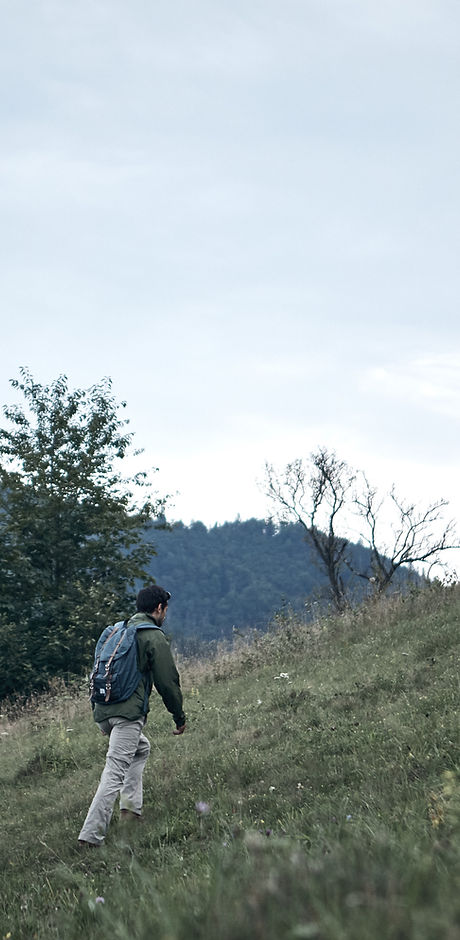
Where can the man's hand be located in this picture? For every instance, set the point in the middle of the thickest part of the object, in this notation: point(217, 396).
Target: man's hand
point(179, 730)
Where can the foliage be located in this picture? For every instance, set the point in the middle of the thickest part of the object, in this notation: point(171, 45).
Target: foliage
point(70, 528)
point(316, 794)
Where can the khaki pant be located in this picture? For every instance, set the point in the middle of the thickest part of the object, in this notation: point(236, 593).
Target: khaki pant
point(126, 757)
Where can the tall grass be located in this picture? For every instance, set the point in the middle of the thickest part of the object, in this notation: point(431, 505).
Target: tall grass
point(316, 793)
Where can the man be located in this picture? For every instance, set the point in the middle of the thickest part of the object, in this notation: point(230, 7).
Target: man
point(123, 722)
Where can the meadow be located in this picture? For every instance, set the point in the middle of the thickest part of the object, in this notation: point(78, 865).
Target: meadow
point(315, 793)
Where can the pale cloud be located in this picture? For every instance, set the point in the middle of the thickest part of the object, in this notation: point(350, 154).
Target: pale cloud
point(44, 179)
point(431, 382)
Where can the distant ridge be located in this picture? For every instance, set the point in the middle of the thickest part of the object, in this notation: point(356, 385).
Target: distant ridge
point(238, 575)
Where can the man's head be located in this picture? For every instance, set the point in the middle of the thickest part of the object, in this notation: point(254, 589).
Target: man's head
point(153, 600)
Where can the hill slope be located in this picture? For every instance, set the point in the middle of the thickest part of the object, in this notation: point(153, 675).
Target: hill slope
point(327, 759)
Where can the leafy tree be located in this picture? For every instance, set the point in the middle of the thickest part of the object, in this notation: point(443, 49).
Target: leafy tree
point(71, 528)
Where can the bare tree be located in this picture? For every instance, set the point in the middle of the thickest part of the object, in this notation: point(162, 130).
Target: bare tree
point(418, 536)
point(314, 495)
point(324, 492)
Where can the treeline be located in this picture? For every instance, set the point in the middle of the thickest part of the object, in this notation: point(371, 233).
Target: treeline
point(238, 575)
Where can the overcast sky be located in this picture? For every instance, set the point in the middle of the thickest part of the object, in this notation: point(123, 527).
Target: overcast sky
point(246, 214)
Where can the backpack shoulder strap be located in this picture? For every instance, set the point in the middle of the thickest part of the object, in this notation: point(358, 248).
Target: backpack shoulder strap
point(148, 626)
point(121, 623)
point(122, 634)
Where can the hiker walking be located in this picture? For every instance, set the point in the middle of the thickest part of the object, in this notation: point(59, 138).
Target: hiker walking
point(122, 718)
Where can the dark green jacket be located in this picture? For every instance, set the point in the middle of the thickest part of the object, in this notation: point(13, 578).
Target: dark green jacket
point(155, 658)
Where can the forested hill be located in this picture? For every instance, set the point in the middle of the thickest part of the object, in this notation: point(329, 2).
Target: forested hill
point(235, 575)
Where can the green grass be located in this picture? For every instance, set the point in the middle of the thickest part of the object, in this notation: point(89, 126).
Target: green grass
point(329, 757)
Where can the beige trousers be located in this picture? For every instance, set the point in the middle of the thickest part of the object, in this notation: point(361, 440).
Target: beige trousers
point(126, 757)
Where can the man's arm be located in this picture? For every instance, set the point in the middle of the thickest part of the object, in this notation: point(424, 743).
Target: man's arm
point(166, 678)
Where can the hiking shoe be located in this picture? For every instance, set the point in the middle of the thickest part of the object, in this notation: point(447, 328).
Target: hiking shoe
point(127, 815)
point(83, 844)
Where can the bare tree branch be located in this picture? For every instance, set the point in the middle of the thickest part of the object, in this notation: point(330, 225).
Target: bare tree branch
point(323, 494)
point(316, 495)
point(419, 536)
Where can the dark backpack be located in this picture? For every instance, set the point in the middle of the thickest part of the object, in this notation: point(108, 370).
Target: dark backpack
point(116, 674)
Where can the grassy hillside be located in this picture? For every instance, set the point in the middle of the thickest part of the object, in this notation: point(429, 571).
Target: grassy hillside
point(316, 794)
